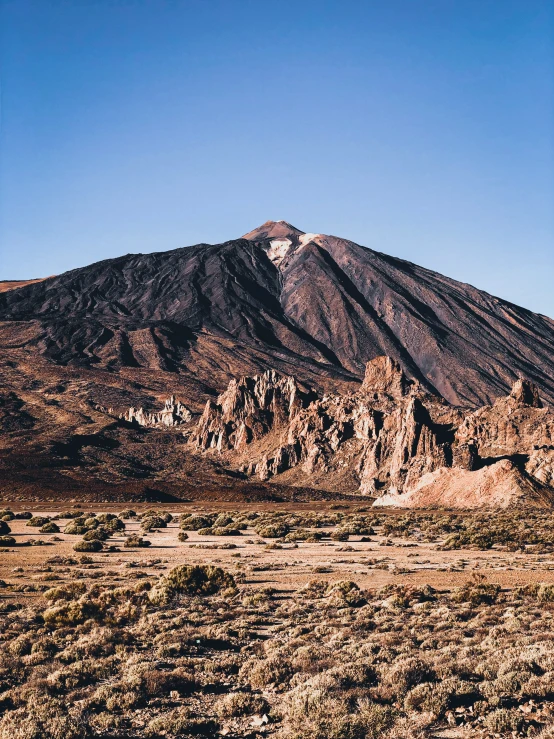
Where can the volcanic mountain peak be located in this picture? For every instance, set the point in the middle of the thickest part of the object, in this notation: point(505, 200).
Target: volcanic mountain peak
point(280, 239)
point(214, 311)
point(273, 230)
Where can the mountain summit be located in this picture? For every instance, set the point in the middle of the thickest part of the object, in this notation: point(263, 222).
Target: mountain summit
point(273, 230)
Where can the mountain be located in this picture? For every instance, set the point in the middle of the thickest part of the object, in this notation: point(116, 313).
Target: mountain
point(319, 307)
point(80, 349)
point(14, 284)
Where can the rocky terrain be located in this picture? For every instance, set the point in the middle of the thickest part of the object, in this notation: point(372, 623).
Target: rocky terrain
point(391, 440)
point(89, 358)
point(294, 622)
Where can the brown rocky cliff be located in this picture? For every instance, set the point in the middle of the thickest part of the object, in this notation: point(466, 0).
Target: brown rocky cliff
point(390, 435)
point(314, 306)
point(174, 413)
point(249, 409)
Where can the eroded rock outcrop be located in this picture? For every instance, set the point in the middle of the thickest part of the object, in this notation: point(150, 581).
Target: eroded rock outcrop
point(173, 413)
point(499, 485)
point(248, 410)
point(399, 443)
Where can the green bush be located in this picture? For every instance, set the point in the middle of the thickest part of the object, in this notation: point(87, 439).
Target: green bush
point(127, 513)
point(339, 535)
point(273, 530)
point(476, 593)
point(195, 523)
point(105, 517)
point(99, 534)
point(191, 580)
point(504, 720)
point(75, 528)
point(24, 515)
point(225, 531)
point(153, 522)
point(114, 524)
point(136, 542)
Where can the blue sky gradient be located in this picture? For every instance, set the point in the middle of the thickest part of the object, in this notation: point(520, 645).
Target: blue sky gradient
point(421, 128)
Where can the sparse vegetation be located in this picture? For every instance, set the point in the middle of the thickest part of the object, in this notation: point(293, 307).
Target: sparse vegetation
point(202, 649)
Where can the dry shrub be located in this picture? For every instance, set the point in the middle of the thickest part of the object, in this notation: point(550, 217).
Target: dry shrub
point(70, 613)
point(273, 530)
point(47, 719)
point(68, 591)
point(180, 722)
point(99, 534)
point(38, 521)
point(127, 513)
point(195, 523)
point(340, 535)
point(504, 720)
point(136, 542)
point(74, 527)
point(191, 580)
point(406, 673)
point(241, 704)
point(315, 711)
point(476, 593)
point(88, 546)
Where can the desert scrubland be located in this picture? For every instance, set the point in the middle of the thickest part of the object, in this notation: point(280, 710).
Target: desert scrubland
point(300, 621)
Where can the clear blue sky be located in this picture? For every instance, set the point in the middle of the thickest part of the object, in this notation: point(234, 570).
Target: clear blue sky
point(422, 128)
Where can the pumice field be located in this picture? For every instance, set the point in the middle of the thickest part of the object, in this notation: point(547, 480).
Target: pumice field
point(327, 621)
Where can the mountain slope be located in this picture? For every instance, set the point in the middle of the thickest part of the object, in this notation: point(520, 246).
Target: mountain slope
point(315, 306)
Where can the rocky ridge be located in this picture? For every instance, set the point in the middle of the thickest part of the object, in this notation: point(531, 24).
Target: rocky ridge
point(399, 443)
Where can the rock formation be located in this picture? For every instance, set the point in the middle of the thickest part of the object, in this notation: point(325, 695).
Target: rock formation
point(403, 445)
point(248, 410)
point(128, 331)
point(173, 413)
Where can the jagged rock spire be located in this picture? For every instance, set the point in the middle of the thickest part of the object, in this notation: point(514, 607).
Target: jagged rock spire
point(526, 393)
point(385, 375)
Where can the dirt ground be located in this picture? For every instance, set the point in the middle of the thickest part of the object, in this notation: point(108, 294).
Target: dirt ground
point(374, 563)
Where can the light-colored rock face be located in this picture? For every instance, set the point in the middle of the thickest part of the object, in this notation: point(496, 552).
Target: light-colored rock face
point(383, 376)
point(499, 485)
point(403, 446)
point(249, 409)
point(173, 413)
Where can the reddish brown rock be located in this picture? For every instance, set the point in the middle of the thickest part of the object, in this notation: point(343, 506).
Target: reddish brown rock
point(400, 444)
point(249, 409)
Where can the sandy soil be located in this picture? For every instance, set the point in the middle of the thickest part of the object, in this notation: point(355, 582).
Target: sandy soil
point(369, 563)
